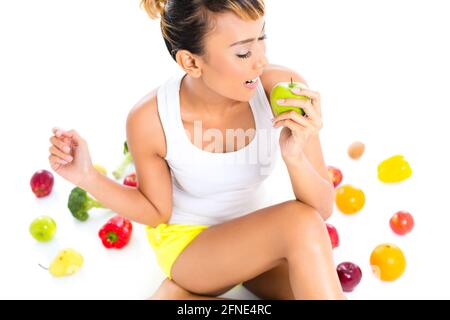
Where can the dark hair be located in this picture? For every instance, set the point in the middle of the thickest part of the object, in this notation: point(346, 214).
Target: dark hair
point(185, 23)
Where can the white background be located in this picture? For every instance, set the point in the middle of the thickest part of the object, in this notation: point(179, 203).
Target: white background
point(381, 67)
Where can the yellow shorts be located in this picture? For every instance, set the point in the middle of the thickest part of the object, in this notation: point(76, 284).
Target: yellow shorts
point(169, 240)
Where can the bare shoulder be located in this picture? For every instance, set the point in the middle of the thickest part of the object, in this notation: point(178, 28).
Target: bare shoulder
point(273, 74)
point(144, 125)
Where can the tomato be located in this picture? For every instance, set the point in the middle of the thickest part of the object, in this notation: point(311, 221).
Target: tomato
point(388, 262)
point(401, 222)
point(349, 199)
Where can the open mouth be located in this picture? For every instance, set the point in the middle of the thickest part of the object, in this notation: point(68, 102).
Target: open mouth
point(251, 81)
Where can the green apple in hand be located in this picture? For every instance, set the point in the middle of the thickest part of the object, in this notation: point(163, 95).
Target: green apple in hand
point(43, 228)
point(282, 90)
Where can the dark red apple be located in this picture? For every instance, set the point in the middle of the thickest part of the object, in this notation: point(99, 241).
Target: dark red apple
point(349, 275)
point(42, 183)
point(335, 175)
point(334, 236)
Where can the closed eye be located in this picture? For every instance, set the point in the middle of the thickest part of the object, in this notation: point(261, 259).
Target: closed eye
point(249, 54)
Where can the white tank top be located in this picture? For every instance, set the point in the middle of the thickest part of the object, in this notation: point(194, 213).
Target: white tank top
point(210, 188)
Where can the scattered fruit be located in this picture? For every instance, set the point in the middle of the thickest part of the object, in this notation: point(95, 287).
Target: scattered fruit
point(349, 275)
point(394, 169)
point(130, 180)
point(335, 175)
point(42, 183)
point(116, 233)
point(334, 236)
point(388, 262)
point(43, 228)
point(80, 203)
point(349, 199)
point(356, 150)
point(401, 222)
point(66, 263)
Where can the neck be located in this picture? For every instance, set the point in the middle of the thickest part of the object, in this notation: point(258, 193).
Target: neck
point(202, 99)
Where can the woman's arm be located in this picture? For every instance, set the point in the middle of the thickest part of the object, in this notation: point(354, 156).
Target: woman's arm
point(127, 201)
point(307, 171)
point(151, 202)
point(309, 179)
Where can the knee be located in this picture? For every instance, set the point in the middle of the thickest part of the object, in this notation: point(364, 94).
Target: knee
point(305, 226)
point(170, 290)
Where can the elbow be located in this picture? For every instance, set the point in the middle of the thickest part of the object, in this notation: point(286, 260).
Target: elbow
point(328, 207)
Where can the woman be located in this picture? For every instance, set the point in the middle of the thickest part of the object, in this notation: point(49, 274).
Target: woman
point(197, 188)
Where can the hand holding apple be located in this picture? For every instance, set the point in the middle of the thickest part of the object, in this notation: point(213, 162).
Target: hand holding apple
point(298, 128)
point(282, 90)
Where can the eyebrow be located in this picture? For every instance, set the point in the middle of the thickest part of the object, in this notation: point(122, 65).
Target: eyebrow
point(247, 40)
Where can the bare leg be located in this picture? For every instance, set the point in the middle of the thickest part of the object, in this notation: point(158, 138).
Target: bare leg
point(241, 249)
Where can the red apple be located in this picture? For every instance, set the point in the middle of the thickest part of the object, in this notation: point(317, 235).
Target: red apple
point(401, 222)
point(335, 175)
point(334, 236)
point(130, 180)
point(349, 275)
point(42, 183)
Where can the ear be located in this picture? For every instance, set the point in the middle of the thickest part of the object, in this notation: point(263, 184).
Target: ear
point(190, 63)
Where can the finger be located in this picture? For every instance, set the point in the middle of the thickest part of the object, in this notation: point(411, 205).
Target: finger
point(54, 165)
point(294, 126)
point(313, 95)
point(56, 161)
point(61, 145)
point(299, 131)
point(311, 112)
point(76, 138)
point(58, 132)
point(294, 115)
point(56, 152)
point(293, 102)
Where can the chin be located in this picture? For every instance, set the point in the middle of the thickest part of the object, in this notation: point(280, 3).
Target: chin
point(246, 96)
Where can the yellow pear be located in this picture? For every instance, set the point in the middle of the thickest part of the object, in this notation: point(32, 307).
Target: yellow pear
point(66, 263)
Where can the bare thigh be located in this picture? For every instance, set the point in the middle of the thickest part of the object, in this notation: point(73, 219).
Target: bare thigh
point(228, 254)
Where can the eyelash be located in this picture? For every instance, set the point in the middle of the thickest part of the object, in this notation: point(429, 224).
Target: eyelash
point(248, 54)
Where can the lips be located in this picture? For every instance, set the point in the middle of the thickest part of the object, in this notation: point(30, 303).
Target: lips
point(251, 81)
point(252, 84)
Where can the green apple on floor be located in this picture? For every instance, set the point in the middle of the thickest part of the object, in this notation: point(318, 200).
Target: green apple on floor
point(282, 90)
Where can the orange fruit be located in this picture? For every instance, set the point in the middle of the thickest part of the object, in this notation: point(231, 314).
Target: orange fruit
point(349, 199)
point(388, 262)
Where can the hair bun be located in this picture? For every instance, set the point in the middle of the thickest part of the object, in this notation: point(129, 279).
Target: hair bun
point(154, 8)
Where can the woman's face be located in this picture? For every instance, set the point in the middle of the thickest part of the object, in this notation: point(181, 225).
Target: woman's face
point(235, 53)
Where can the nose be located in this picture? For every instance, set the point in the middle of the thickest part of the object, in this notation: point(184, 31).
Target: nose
point(261, 62)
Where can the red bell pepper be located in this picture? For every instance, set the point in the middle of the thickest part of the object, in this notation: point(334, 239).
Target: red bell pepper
point(116, 233)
